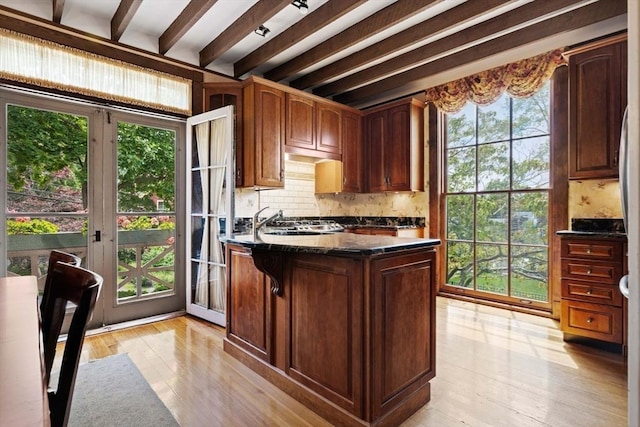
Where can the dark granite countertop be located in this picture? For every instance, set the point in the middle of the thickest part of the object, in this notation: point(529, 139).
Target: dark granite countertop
point(384, 227)
point(595, 228)
point(333, 243)
point(592, 234)
point(243, 225)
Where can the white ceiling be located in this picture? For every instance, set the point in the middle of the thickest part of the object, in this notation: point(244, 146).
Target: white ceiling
point(153, 17)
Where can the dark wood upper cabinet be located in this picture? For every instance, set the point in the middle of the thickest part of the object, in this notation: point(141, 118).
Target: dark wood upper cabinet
point(597, 99)
point(352, 153)
point(313, 128)
point(394, 140)
point(328, 128)
point(259, 128)
point(300, 123)
point(264, 134)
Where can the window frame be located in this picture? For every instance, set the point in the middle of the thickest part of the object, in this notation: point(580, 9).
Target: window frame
point(558, 200)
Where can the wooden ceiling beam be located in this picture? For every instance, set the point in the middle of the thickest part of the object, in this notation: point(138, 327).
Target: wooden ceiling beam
point(257, 15)
point(456, 41)
point(183, 23)
point(379, 21)
point(123, 16)
point(58, 7)
point(406, 38)
point(587, 15)
point(321, 17)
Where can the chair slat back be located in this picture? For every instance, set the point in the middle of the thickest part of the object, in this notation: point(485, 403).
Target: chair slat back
point(54, 257)
point(79, 286)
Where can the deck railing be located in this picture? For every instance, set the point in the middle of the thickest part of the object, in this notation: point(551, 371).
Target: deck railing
point(146, 260)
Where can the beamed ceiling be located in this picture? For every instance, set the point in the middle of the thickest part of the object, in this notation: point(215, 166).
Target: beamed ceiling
point(357, 52)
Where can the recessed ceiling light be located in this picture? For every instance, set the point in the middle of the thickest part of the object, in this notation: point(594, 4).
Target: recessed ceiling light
point(262, 31)
point(301, 5)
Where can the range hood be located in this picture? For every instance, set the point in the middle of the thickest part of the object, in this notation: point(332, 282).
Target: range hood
point(328, 176)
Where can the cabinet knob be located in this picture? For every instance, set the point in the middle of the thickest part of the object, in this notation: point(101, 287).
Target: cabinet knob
point(589, 250)
point(589, 292)
point(590, 320)
point(589, 271)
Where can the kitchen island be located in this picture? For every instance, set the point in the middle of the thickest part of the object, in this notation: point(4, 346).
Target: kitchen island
point(343, 322)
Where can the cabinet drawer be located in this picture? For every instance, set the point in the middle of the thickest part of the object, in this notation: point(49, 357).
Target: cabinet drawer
point(591, 292)
point(600, 250)
point(592, 271)
point(603, 322)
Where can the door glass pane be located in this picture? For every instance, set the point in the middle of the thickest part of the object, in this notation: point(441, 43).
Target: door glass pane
point(46, 194)
point(146, 219)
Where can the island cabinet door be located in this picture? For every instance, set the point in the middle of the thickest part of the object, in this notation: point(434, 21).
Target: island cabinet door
point(325, 330)
point(403, 329)
point(248, 304)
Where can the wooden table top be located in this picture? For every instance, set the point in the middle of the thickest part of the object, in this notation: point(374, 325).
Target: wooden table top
point(23, 397)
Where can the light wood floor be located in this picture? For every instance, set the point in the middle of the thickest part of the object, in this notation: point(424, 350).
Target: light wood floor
point(494, 368)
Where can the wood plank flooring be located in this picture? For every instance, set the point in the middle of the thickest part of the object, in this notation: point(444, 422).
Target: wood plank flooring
point(494, 368)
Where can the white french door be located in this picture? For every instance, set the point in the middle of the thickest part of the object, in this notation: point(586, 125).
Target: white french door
point(210, 187)
point(99, 183)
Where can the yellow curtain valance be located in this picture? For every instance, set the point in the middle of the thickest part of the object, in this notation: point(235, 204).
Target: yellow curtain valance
point(520, 79)
point(43, 63)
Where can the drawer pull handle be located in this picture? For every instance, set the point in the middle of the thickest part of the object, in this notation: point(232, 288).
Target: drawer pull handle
point(590, 320)
point(589, 292)
point(589, 250)
point(589, 271)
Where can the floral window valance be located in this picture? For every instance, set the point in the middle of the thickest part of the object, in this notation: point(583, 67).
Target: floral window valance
point(35, 61)
point(519, 79)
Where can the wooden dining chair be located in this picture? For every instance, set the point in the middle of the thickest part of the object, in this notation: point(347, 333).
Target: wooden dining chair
point(68, 283)
point(57, 256)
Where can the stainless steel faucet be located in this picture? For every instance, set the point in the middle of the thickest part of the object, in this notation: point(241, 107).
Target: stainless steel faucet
point(257, 224)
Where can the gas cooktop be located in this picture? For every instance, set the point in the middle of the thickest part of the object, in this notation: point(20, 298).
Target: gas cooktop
point(303, 226)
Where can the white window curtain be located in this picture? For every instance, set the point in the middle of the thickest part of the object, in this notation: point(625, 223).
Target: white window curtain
point(212, 158)
point(31, 60)
point(203, 143)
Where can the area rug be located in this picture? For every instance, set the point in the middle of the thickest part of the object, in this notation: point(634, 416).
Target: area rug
point(112, 392)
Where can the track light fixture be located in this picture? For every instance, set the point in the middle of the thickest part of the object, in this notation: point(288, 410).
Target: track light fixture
point(262, 31)
point(302, 5)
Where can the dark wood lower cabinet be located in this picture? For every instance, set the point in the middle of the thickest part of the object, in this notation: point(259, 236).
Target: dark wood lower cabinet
point(326, 313)
point(592, 305)
point(403, 359)
point(249, 302)
point(352, 337)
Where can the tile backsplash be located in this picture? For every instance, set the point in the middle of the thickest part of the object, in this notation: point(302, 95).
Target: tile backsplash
point(298, 199)
point(594, 199)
